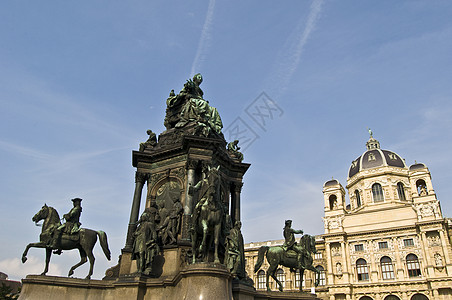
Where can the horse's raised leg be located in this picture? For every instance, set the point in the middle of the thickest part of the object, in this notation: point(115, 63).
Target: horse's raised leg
point(31, 245)
point(48, 255)
point(82, 261)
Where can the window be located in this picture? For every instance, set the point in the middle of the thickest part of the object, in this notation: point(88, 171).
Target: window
point(261, 280)
point(419, 297)
point(358, 198)
point(297, 279)
point(281, 276)
point(408, 242)
point(392, 297)
point(333, 202)
point(387, 269)
point(377, 192)
point(412, 264)
point(362, 270)
point(365, 298)
point(401, 191)
point(318, 255)
point(322, 277)
point(383, 245)
point(359, 247)
point(421, 187)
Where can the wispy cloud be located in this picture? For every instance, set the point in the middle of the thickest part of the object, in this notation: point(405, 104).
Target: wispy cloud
point(289, 57)
point(204, 41)
point(16, 270)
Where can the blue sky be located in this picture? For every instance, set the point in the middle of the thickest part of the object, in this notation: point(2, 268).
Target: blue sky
point(81, 82)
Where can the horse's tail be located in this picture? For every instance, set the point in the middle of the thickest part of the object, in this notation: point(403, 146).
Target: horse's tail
point(104, 244)
point(260, 257)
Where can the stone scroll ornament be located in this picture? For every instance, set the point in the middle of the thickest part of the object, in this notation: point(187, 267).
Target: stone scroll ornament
point(67, 236)
point(189, 109)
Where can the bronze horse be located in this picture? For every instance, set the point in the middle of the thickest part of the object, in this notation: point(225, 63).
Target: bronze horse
point(84, 241)
point(278, 256)
point(208, 221)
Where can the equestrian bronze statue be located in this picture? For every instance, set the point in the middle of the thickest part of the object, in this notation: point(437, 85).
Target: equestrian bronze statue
point(208, 216)
point(67, 236)
point(296, 256)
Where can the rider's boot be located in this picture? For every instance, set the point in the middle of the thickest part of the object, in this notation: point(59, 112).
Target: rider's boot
point(56, 245)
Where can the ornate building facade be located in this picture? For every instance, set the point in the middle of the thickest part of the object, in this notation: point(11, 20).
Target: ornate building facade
point(390, 242)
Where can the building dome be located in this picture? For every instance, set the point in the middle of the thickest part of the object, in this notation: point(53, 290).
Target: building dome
point(417, 166)
point(374, 157)
point(331, 182)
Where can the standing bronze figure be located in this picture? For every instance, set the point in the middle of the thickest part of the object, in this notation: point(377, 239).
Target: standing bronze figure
point(145, 247)
point(83, 239)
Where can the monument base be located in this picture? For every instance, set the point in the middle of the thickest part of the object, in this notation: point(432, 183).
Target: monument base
point(194, 282)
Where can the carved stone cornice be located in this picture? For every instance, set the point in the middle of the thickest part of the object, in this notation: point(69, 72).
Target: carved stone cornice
point(141, 177)
point(191, 164)
point(237, 186)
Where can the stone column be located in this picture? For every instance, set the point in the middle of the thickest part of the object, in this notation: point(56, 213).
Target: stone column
point(447, 261)
point(188, 204)
point(140, 179)
point(373, 270)
point(237, 188)
point(191, 166)
point(426, 255)
point(345, 272)
point(330, 276)
point(398, 263)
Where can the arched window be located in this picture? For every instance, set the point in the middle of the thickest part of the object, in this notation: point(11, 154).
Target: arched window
point(322, 277)
point(419, 297)
point(412, 264)
point(333, 202)
point(281, 276)
point(387, 269)
point(261, 280)
point(392, 297)
point(362, 270)
point(377, 192)
point(365, 298)
point(401, 191)
point(358, 198)
point(421, 187)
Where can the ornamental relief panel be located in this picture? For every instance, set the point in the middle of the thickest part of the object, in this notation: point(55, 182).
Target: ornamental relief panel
point(425, 210)
point(333, 222)
point(433, 239)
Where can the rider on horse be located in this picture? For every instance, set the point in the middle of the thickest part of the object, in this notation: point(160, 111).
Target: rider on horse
point(290, 243)
point(72, 225)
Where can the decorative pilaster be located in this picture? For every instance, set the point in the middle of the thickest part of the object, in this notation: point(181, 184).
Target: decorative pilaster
point(140, 179)
point(329, 264)
point(446, 252)
point(426, 255)
point(345, 271)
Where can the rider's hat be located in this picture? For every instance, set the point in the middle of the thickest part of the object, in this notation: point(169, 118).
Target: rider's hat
point(76, 200)
point(288, 222)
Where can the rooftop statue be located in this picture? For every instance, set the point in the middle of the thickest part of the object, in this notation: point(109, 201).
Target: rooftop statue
point(67, 236)
point(291, 254)
point(189, 106)
point(150, 143)
point(233, 150)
